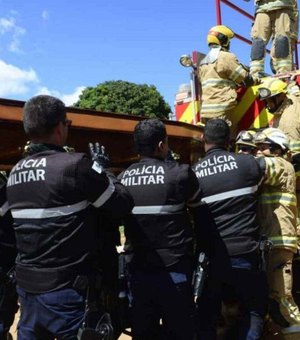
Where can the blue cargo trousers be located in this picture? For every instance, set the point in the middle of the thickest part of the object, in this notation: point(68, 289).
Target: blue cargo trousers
point(54, 315)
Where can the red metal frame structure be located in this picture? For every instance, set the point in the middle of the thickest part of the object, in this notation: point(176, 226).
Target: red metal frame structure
point(251, 17)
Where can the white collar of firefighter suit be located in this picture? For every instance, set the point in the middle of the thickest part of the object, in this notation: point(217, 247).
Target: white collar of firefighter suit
point(211, 56)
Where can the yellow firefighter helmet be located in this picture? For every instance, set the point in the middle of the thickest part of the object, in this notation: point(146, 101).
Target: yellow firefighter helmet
point(246, 137)
point(220, 35)
point(272, 136)
point(271, 87)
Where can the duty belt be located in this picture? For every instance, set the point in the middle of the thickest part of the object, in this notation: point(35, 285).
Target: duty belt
point(39, 280)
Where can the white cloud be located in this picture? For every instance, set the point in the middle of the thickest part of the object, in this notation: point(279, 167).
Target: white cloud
point(6, 25)
point(14, 80)
point(68, 99)
point(15, 43)
point(9, 26)
point(45, 15)
point(72, 98)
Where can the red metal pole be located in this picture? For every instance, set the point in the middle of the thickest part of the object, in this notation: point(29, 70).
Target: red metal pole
point(240, 37)
point(229, 4)
point(218, 12)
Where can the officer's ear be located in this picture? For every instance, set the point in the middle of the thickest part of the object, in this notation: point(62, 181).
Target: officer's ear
point(162, 147)
point(163, 143)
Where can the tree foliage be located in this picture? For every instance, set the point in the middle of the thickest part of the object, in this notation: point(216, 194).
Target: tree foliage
point(124, 97)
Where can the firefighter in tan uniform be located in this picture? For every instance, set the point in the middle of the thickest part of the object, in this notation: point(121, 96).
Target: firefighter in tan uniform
point(285, 105)
point(277, 211)
point(273, 19)
point(219, 74)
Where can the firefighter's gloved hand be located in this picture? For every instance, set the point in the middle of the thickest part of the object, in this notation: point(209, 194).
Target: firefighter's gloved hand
point(252, 80)
point(98, 154)
point(256, 80)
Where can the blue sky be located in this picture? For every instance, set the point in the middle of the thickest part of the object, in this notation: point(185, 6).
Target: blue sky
point(59, 47)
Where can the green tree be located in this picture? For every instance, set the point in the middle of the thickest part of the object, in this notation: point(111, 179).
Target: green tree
point(124, 97)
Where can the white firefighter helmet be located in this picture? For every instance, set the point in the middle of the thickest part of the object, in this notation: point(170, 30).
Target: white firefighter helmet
point(272, 136)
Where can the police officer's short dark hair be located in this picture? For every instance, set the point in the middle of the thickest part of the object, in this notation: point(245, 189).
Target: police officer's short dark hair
point(216, 131)
point(41, 114)
point(147, 134)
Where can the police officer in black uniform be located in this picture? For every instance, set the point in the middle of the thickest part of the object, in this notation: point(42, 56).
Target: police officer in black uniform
point(53, 196)
point(229, 183)
point(159, 237)
point(8, 295)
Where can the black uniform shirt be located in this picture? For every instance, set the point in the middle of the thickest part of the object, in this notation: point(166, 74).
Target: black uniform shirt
point(52, 195)
point(229, 183)
point(159, 229)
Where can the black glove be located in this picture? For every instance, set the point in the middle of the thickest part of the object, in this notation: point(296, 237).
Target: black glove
point(252, 80)
point(98, 154)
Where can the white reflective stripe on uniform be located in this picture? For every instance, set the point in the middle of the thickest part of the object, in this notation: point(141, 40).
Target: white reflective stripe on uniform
point(49, 212)
point(230, 194)
point(4, 209)
point(217, 82)
point(158, 209)
point(238, 72)
point(106, 195)
point(278, 198)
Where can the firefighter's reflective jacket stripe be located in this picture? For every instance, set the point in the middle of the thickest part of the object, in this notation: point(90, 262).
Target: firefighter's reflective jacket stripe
point(158, 209)
point(229, 184)
point(230, 194)
point(51, 195)
point(271, 174)
point(277, 208)
point(159, 230)
point(218, 82)
point(278, 197)
point(294, 146)
point(237, 74)
point(285, 241)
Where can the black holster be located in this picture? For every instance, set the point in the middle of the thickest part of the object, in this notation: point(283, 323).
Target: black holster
point(265, 246)
point(103, 329)
point(200, 274)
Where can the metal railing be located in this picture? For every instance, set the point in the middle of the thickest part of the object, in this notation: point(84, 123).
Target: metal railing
point(251, 17)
